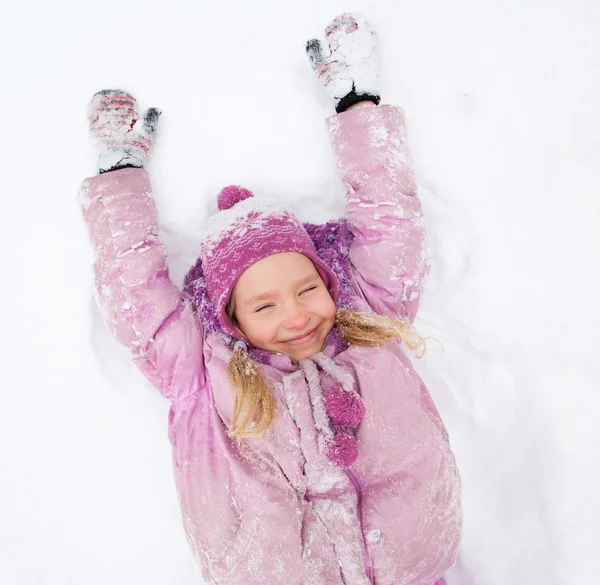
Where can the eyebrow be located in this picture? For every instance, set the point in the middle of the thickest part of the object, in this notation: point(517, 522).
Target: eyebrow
point(268, 294)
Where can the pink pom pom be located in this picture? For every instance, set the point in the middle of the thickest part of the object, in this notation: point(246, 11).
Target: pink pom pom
point(344, 449)
point(344, 408)
point(231, 195)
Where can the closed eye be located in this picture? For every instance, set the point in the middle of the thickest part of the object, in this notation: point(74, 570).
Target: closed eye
point(271, 305)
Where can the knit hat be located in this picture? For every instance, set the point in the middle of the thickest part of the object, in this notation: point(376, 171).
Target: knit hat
point(244, 231)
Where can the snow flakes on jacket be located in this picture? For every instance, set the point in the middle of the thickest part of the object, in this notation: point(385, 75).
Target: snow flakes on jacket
point(277, 511)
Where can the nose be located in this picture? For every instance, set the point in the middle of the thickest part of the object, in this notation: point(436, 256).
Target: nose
point(295, 317)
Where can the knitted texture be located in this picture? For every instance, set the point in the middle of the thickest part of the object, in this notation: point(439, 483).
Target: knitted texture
point(231, 195)
point(343, 451)
point(344, 408)
point(244, 231)
point(332, 241)
point(123, 137)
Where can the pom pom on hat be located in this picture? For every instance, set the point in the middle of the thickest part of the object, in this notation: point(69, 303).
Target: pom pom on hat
point(344, 449)
point(344, 408)
point(231, 195)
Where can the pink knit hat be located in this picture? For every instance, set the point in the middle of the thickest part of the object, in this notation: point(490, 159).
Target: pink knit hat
point(243, 232)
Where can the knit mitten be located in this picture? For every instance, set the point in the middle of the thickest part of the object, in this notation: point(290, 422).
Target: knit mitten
point(349, 72)
point(122, 138)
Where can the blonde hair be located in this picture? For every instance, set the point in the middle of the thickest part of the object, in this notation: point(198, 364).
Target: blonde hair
point(254, 408)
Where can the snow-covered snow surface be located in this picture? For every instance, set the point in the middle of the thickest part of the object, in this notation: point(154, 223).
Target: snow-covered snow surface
point(502, 102)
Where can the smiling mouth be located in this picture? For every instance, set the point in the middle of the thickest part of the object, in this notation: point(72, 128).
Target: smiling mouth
point(303, 338)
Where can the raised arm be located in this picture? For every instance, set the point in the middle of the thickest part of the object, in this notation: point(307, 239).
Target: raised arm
point(388, 255)
point(141, 306)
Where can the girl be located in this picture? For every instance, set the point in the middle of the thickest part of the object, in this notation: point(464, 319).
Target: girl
point(306, 448)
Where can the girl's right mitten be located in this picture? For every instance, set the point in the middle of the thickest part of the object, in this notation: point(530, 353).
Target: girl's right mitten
point(348, 69)
point(122, 138)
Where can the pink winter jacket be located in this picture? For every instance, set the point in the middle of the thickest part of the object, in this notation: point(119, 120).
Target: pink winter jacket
point(277, 512)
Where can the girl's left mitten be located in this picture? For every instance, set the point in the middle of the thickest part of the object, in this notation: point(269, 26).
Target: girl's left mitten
point(348, 64)
point(123, 139)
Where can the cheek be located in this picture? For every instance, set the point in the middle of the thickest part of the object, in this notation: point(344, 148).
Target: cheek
point(260, 330)
point(329, 308)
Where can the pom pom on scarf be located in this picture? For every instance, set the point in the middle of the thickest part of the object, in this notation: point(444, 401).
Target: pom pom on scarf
point(344, 449)
point(344, 408)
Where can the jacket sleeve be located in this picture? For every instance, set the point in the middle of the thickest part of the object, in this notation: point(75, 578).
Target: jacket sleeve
point(389, 256)
point(142, 308)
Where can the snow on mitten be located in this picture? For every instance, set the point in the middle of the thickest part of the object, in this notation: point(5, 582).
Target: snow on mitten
point(349, 72)
point(122, 138)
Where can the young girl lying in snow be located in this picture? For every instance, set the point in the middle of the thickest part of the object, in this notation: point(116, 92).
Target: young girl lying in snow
point(307, 451)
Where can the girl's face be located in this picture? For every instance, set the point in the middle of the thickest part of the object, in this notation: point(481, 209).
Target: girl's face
point(282, 304)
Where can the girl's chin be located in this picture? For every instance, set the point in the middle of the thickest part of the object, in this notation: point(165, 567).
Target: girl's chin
point(303, 355)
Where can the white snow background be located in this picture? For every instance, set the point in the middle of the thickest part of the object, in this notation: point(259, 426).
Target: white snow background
point(502, 102)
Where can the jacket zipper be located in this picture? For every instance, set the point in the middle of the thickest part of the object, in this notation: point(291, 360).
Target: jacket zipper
point(367, 559)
